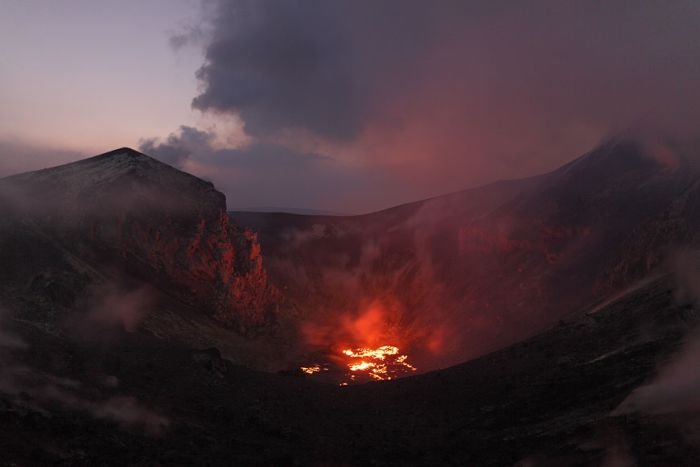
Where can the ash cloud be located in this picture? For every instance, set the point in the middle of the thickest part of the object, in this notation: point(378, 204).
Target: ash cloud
point(445, 95)
point(269, 174)
point(334, 68)
point(281, 64)
point(177, 147)
point(423, 98)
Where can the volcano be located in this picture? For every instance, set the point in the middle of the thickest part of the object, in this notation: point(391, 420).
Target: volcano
point(487, 267)
point(526, 321)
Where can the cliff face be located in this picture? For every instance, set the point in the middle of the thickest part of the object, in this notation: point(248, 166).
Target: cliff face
point(127, 212)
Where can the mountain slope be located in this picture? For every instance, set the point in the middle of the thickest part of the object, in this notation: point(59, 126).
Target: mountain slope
point(125, 214)
point(489, 266)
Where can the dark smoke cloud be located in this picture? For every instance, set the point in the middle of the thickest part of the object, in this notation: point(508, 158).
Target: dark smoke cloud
point(335, 68)
point(271, 175)
point(177, 147)
point(280, 65)
point(325, 67)
point(453, 93)
point(422, 98)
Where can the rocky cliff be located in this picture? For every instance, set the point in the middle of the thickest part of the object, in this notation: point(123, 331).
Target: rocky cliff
point(127, 213)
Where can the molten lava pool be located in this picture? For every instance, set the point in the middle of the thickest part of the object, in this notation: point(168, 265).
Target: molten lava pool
point(382, 363)
point(363, 364)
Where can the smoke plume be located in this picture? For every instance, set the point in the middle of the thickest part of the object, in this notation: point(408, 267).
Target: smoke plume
point(440, 96)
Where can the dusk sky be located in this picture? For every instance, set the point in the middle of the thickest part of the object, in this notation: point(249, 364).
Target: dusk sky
point(346, 106)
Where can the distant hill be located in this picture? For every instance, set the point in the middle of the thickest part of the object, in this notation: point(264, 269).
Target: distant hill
point(302, 212)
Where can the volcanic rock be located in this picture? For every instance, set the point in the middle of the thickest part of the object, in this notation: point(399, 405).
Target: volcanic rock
point(125, 211)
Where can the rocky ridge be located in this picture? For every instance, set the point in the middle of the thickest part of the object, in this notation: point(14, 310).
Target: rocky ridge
point(125, 211)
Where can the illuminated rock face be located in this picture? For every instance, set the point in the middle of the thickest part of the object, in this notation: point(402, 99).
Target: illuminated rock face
point(135, 214)
point(208, 261)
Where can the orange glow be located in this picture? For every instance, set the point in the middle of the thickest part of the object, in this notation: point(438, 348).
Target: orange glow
point(361, 366)
point(382, 363)
point(358, 346)
point(310, 370)
point(379, 354)
point(374, 326)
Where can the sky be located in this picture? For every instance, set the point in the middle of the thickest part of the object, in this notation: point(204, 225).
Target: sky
point(347, 105)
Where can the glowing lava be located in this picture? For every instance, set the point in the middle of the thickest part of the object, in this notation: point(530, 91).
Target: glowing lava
point(354, 347)
point(382, 363)
point(364, 364)
point(310, 370)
